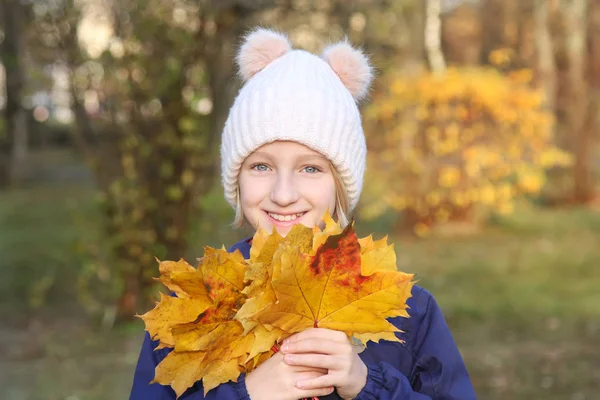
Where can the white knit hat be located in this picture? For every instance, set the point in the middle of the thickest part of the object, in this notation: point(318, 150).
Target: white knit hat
point(293, 95)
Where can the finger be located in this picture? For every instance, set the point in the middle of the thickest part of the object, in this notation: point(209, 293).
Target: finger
point(308, 374)
point(307, 369)
point(315, 383)
point(316, 392)
point(313, 360)
point(320, 346)
point(318, 333)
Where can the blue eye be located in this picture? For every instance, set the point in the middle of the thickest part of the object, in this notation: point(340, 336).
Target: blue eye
point(311, 170)
point(260, 167)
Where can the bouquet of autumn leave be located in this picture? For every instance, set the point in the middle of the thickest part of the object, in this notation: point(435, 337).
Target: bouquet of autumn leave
point(230, 313)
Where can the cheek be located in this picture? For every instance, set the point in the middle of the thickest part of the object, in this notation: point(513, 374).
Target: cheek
point(252, 191)
point(332, 195)
point(322, 194)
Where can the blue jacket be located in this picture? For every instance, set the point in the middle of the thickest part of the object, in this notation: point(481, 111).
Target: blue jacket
point(427, 366)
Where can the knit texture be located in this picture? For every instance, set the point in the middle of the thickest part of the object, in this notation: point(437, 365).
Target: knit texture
point(296, 97)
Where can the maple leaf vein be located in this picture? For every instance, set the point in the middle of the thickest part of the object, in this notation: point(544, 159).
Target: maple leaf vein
point(303, 296)
point(324, 291)
point(363, 298)
point(235, 285)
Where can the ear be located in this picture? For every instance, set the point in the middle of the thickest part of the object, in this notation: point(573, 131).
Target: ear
point(260, 48)
point(352, 66)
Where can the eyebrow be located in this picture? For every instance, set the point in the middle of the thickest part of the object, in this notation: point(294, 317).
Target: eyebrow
point(301, 158)
point(260, 154)
point(307, 157)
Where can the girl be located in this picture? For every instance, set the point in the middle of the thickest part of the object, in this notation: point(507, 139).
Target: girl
point(293, 148)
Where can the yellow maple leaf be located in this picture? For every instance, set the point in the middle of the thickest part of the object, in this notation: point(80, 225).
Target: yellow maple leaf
point(167, 269)
point(376, 255)
point(220, 371)
point(190, 302)
point(223, 273)
point(329, 290)
point(259, 275)
point(176, 311)
point(180, 370)
point(208, 343)
point(331, 228)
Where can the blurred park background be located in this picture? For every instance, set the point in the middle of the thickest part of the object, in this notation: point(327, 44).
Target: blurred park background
point(483, 129)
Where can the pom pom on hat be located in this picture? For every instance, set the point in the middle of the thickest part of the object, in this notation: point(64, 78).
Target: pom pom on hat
point(260, 48)
point(352, 66)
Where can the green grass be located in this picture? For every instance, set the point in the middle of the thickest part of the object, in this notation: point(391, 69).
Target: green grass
point(523, 301)
point(534, 264)
point(522, 298)
point(40, 228)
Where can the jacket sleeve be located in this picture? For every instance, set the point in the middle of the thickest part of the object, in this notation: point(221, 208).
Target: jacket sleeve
point(438, 371)
point(144, 373)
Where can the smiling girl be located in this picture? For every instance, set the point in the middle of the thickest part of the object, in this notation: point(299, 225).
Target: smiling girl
point(285, 183)
point(293, 148)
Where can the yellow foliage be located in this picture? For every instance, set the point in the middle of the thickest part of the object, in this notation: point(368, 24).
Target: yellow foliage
point(449, 176)
point(487, 194)
point(433, 198)
point(505, 208)
point(522, 75)
point(530, 182)
point(422, 113)
point(501, 56)
point(229, 312)
point(470, 136)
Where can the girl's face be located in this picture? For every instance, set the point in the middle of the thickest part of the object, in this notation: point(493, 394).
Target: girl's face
point(286, 183)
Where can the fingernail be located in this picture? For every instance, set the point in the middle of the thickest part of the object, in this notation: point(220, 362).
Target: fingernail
point(284, 347)
point(288, 358)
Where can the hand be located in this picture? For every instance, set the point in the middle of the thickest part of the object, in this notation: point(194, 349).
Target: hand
point(331, 350)
point(274, 379)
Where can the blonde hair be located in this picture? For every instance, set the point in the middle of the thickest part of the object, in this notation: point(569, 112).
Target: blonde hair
point(341, 213)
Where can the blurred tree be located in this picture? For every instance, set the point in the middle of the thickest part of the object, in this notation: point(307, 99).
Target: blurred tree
point(499, 26)
point(448, 143)
point(593, 78)
point(462, 35)
point(13, 139)
point(433, 36)
point(546, 66)
point(149, 108)
point(575, 14)
point(549, 37)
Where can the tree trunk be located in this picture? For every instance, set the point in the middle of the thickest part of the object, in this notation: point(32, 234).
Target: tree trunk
point(500, 21)
point(546, 66)
point(433, 36)
point(13, 143)
point(593, 120)
point(576, 49)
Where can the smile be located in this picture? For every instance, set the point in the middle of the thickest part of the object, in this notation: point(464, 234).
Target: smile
point(285, 218)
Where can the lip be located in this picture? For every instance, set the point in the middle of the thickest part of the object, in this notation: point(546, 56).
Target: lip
point(284, 223)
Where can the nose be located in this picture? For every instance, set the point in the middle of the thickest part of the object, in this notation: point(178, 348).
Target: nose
point(284, 191)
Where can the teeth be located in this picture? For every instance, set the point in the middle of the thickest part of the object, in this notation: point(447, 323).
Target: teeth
point(285, 218)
